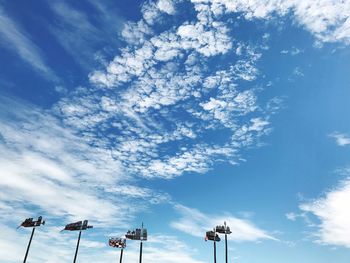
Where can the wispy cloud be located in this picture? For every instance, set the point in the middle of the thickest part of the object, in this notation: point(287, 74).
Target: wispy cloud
point(164, 248)
point(46, 167)
point(341, 139)
point(15, 39)
point(333, 212)
point(196, 223)
point(85, 37)
point(293, 51)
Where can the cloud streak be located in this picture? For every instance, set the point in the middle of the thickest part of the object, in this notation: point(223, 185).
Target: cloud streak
point(195, 223)
point(15, 39)
point(46, 167)
point(86, 38)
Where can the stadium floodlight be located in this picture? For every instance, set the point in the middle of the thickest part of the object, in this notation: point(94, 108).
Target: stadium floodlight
point(29, 222)
point(77, 226)
point(212, 236)
point(224, 230)
point(118, 243)
point(138, 234)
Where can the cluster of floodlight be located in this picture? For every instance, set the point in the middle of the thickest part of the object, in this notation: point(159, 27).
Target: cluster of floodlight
point(77, 226)
point(139, 234)
point(213, 236)
point(117, 242)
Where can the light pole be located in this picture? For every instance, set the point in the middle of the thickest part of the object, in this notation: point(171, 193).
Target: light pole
point(211, 235)
point(138, 234)
point(77, 226)
point(30, 223)
point(224, 230)
point(118, 243)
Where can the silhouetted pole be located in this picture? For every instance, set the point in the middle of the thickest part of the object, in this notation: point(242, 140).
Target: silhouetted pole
point(214, 251)
point(141, 252)
point(76, 250)
point(226, 248)
point(30, 241)
point(121, 255)
point(224, 230)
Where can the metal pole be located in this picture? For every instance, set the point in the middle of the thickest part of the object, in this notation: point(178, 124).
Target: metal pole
point(214, 250)
point(141, 252)
point(76, 250)
point(141, 243)
point(30, 241)
point(121, 256)
point(226, 247)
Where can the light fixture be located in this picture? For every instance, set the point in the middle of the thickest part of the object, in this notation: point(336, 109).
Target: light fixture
point(118, 243)
point(138, 234)
point(77, 226)
point(29, 222)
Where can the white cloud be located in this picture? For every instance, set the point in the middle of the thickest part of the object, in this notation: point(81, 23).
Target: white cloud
point(298, 72)
point(46, 166)
point(258, 124)
point(155, 81)
point(14, 38)
point(213, 104)
point(196, 223)
point(164, 248)
point(152, 10)
point(166, 6)
point(209, 42)
point(197, 160)
point(293, 51)
point(333, 213)
point(341, 139)
point(328, 20)
point(291, 216)
point(136, 32)
point(123, 68)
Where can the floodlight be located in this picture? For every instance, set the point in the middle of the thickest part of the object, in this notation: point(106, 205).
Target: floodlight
point(29, 222)
point(77, 226)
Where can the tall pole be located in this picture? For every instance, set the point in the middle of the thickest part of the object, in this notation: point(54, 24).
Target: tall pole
point(76, 250)
point(141, 243)
point(30, 241)
point(226, 242)
point(226, 247)
point(141, 252)
point(214, 251)
point(121, 255)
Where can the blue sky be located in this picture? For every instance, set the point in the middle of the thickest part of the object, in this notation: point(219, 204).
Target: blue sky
point(182, 114)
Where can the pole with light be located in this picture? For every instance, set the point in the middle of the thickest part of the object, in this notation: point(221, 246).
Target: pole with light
point(30, 223)
point(211, 235)
point(118, 243)
point(138, 234)
point(77, 226)
point(224, 230)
